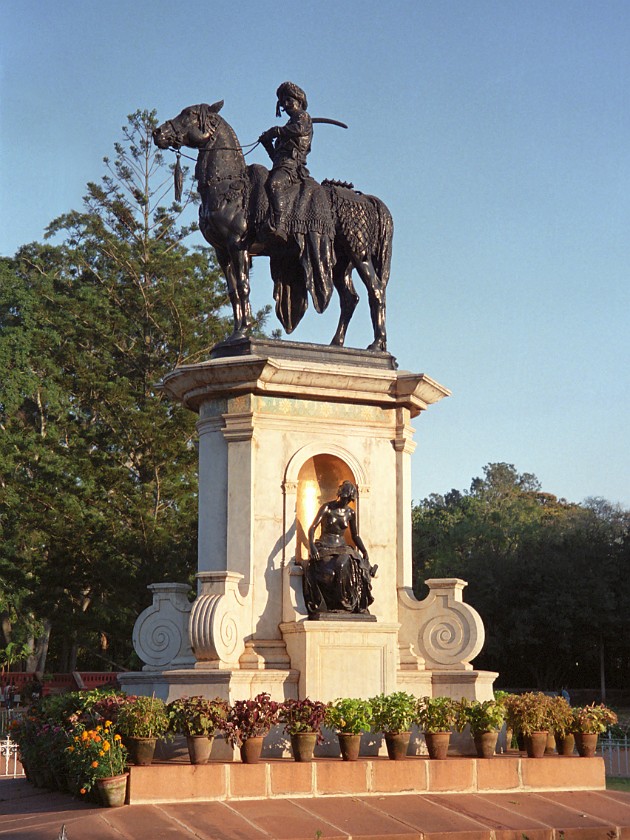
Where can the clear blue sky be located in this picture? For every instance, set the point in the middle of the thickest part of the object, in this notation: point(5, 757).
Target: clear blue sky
point(498, 133)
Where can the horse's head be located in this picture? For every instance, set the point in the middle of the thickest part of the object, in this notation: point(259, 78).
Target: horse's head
point(194, 127)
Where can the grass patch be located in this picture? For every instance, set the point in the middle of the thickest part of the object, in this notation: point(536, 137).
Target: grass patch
point(617, 783)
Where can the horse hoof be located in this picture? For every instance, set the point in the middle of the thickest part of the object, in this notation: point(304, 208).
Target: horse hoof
point(336, 342)
point(378, 346)
point(237, 335)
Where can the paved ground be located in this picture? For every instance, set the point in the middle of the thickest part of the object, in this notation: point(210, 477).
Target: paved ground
point(27, 813)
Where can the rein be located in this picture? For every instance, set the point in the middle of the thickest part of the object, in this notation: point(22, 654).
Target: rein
point(218, 149)
point(178, 175)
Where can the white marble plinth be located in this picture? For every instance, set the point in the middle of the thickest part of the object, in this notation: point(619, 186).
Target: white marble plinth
point(281, 425)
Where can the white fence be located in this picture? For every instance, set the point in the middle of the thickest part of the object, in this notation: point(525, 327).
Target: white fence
point(10, 767)
point(616, 753)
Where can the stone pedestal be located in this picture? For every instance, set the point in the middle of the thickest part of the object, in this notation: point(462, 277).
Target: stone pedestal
point(281, 425)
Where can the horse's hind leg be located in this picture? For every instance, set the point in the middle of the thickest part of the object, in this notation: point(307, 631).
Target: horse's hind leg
point(348, 298)
point(376, 296)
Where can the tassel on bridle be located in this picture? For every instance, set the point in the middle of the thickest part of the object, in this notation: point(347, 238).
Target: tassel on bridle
point(178, 177)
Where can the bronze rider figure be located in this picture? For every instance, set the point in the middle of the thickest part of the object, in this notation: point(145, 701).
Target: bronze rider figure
point(288, 147)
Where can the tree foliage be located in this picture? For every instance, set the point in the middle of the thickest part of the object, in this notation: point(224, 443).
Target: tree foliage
point(97, 468)
point(548, 577)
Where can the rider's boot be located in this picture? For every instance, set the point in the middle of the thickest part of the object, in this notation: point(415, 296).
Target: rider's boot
point(276, 225)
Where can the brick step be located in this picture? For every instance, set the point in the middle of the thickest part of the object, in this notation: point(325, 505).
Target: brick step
point(280, 778)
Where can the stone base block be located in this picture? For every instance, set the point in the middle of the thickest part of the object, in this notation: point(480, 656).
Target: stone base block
point(360, 662)
point(473, 685)
point(230, 685)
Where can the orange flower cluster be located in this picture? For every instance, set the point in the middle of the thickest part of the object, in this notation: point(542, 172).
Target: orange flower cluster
point(97, 753)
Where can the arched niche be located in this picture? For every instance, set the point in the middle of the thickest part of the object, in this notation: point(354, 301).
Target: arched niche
point(312, 478)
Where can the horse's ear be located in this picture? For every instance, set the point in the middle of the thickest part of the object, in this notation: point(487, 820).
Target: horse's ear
point(216, 107)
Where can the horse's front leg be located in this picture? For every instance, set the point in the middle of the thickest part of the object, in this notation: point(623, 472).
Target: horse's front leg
point(241, 264)
point(228, 269)
point(232, 224)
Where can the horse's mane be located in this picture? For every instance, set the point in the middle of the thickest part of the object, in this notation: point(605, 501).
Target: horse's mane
point(210, 120)
point(209, 116)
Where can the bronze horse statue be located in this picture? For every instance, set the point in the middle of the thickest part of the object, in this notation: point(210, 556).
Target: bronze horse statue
point(332, 229)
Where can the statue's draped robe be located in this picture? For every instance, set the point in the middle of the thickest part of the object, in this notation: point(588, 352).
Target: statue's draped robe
point(306, 268)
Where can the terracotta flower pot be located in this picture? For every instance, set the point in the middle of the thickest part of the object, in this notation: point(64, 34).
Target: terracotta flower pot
point(486, 744)
point(397, 744)
point(535, 744)
point(551, 744)
point(565, 745)
point(199, 748)
point(586, 743)
point(437, 744)
point(303, 745)
point(113, 790)
point(349, 745)
point(251, 749)
point(141, 750)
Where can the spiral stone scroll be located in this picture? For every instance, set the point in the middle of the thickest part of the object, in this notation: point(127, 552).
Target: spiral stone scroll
point(160, 634)
point(442, 629)
point(215, 631)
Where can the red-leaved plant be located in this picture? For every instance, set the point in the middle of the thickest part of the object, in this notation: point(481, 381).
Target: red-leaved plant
point(303, 716)
point(251, 718)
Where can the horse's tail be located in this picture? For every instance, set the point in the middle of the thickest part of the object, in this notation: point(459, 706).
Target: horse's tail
point(382, 248)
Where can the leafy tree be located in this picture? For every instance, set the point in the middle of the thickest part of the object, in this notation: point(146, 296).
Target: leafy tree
point(97, 468)
point(547, 576)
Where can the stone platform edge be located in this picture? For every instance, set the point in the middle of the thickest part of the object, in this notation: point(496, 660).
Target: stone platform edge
point(281, 778)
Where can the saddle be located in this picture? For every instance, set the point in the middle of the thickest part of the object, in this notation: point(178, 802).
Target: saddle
point(308, 204)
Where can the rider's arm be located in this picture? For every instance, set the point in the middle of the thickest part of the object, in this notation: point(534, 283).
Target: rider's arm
point(298, 126)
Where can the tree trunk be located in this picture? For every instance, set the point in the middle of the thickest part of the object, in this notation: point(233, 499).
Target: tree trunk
point(602, 670)
point(36, 662)
point(73, 657)
point(5, 627)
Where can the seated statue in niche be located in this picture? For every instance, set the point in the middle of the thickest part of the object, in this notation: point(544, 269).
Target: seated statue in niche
point(337, 578)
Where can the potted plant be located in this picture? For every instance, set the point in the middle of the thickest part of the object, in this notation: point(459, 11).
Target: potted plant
point(436, 716)
point(588, 723)
point(349, 717)
point(26, 732)
point(197, 718)
point(303, 721)
point(560, 723)
point(529, 714)
point(485, 718)
point(97, 757)
point(141, 721)
point(247, 724)
point(393, 714)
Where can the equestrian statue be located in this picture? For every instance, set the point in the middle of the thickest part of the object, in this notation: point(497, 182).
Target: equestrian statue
point(314, 234)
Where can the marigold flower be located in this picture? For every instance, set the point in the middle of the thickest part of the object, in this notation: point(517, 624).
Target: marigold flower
point(84, 735)
point(106, 746)
point(101, 752)
point(83, 791)
point(117, 737)
point(70, 749)
point(108, 723)
point(98, 739)
point(95, 764)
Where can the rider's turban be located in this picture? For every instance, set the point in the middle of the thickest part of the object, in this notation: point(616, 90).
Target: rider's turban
point(290, 89)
